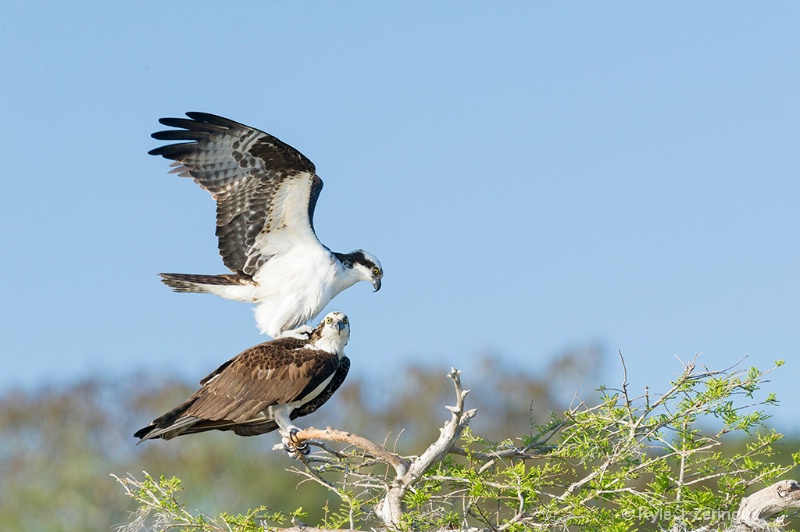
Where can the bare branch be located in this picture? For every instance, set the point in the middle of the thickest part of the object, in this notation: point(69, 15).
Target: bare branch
point(399, 463)
point(391, 509)
point(768, 502)
point(408, 471)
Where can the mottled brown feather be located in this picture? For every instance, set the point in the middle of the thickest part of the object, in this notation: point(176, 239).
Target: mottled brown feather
point(264, 427)
point(233, 396)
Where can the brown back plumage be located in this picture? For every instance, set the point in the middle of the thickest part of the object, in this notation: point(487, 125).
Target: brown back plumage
point(237, 394)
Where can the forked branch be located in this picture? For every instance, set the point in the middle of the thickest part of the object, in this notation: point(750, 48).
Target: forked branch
point(408, 471)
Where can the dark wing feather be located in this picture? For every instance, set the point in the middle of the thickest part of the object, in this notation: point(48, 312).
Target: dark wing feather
point(234, 396)
point(316, 188)
point(306, 409)
point(263, 187)
point(322, 398)
point(261, 376)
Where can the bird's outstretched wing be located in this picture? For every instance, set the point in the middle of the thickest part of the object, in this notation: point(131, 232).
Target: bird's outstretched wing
point(265, 190)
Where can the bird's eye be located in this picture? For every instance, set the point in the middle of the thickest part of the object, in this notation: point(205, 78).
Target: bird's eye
point(329, 320)
point(376, 271)
point(345, 320)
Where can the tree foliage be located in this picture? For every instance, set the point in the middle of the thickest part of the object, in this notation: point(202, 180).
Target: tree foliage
point(59, 445)
point(59, 442)
point(626, 462)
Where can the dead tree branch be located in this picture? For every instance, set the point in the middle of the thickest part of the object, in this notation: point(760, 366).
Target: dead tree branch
point(755, 510)
point(408, 471)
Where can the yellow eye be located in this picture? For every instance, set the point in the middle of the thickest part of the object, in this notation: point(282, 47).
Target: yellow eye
point(345, 320)
point(376, 271)
point(329, 320)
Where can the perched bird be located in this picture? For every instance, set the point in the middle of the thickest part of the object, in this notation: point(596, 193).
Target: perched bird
point(265, 387)
point(266, 192)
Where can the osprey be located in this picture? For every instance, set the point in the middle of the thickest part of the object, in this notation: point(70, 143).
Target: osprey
point(265, 192)
point(264, 387)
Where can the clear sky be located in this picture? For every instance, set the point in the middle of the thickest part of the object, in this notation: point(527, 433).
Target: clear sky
point(534, 176)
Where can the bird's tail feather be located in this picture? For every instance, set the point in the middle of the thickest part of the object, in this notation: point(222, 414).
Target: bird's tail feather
point(169, 425)
point(199, 283)
point(181, 426)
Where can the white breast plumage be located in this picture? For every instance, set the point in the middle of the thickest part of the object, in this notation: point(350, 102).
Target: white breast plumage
point(266, 192)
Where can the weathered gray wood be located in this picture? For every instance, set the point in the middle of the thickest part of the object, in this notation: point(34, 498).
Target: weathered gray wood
point(755, 510)
point(408, 471)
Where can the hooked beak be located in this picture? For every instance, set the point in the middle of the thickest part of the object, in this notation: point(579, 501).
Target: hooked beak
point(339, 326)
point(376, 284)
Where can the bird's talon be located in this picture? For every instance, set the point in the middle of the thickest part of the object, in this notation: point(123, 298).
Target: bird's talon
point(294, 448)
point(304, 448)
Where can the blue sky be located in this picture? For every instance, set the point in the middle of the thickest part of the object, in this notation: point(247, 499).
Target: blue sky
point(533, 176)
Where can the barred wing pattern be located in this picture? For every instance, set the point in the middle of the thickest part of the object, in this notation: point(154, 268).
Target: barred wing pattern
point(265, 190)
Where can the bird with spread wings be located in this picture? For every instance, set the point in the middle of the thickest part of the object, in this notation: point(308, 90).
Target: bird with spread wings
point(265, 192)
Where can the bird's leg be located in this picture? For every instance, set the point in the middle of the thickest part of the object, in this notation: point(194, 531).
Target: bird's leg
point(301, 333)
point(294, 447)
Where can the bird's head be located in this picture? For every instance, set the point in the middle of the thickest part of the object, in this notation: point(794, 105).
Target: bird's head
point(361, 266)
point(332, 333)
point(368, 265)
